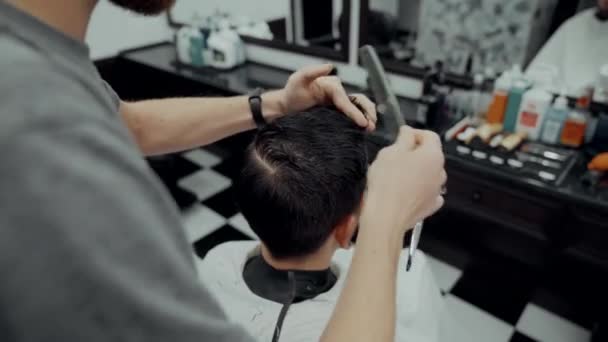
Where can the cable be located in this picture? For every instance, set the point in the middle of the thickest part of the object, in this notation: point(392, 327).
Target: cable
point(285, 308)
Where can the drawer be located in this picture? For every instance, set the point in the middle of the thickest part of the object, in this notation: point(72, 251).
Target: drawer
point(590, 233)
point(500, 205)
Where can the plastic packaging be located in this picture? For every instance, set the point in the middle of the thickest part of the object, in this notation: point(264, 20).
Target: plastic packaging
point(516, 95)
point(226, 48)
point(556, 116)
point(498, 107)
point(534, 106)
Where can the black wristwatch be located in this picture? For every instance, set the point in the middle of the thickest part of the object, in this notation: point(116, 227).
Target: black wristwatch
point(255, 103)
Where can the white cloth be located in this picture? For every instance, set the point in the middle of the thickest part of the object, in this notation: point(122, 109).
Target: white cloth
point(420, 307)
point(578, 49)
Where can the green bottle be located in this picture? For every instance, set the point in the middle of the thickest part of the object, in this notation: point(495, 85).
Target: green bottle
point(513, 104)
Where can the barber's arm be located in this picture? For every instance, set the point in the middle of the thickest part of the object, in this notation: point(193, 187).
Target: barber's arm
point(404, 186)
point(171, 125)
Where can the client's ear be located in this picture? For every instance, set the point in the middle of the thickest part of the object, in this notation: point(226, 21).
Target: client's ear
point(345, 230)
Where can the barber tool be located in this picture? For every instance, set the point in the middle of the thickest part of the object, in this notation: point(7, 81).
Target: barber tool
point(526, 157)
point(547, 152)
point(386, 100)
point(487, 131)
point(496, 141)
point(511, 142)
point(456, 129)
point(387, 104)
point(467, 135)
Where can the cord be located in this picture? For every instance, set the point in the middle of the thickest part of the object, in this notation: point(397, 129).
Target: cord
point(285, 308)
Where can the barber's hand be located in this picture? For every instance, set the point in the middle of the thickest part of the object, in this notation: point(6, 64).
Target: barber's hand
point(312, 86)
point(405, 182)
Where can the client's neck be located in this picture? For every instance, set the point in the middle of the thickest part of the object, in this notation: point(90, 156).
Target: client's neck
point(317, 261)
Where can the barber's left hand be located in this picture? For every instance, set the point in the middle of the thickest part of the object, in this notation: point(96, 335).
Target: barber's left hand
point(312, 86)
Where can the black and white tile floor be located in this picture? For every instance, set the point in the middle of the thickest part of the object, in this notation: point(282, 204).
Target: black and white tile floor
point(493, 302)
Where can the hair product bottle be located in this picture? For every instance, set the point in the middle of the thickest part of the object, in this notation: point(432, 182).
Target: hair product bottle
point(516, 95)
point(531, 115)
point(556, 116)
point(575, 126)
point(478, 112)
point(498, 107)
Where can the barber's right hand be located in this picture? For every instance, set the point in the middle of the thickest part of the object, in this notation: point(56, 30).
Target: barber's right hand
point(405, 180)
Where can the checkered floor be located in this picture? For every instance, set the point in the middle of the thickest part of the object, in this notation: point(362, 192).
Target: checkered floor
point(494, 300)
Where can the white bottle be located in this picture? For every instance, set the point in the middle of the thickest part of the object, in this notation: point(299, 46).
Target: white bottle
point(601, 91)
point(532, 111)
point(478, 111)
point(227, 49)
point(190, 46)
point(556, 116)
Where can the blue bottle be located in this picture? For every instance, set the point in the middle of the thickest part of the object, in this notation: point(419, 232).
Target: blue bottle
point(554, 121)
point(513, 104)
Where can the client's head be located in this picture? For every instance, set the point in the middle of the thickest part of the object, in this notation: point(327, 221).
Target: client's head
point(302, 184)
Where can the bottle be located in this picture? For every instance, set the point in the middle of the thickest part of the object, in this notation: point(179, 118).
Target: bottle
point(516, 95)
point(584, 106)
point(573, 133)
point(190, 44)
point(478, 111)
point(518, 74)
point(556, 116)
point(575, 126)
point(601, 90)
point(534, 106)
point(498, 106)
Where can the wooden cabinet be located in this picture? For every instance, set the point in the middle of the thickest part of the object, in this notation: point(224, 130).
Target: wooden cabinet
point(571, 229)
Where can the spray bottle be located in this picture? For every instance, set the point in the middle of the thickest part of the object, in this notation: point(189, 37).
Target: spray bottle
point(556, 116)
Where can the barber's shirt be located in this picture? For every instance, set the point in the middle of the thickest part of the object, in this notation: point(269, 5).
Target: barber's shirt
point(420, 308)
point(578, 49)
point(91, 246)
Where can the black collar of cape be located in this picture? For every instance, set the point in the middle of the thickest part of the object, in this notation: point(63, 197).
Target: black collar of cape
point(278, 286)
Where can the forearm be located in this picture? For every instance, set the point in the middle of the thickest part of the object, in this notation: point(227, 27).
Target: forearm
point(171, 125)
point(366, 308)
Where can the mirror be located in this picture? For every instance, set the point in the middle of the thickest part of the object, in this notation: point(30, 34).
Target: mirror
point(468, 36)
point(565, 41)
point(319, 28)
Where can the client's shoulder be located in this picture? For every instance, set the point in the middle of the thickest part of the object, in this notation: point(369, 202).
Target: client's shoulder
point(232, 253)
point(231, 250)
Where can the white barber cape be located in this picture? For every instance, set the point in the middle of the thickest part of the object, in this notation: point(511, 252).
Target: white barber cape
point(420, 307)
point(578, 49)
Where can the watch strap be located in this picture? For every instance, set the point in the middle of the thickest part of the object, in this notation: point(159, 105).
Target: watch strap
point(255, 104)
